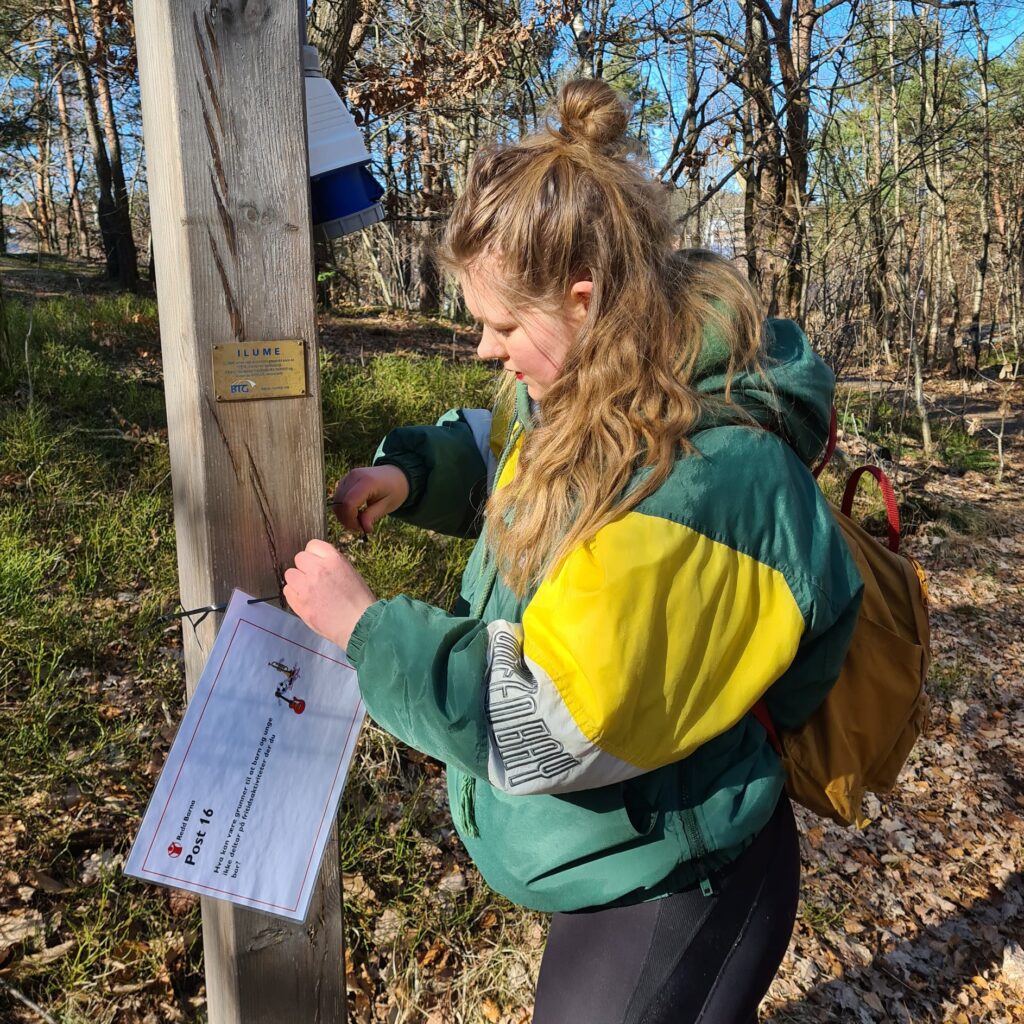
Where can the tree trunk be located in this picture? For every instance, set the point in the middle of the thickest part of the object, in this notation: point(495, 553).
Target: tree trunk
point(336, 28)
point(128, 258)
point(77, 213)
point(783, 145)
point(953, 345)
point(760, 146)
point(919, 402)
point(42, 207)
point(984, 225)
point(900, 298)
point(878, 268)
point(694, 233)
point(112, 221)
point(798, 146)
point(429, 278)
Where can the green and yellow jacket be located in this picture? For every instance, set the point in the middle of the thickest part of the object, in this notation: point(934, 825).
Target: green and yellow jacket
point(597, 732)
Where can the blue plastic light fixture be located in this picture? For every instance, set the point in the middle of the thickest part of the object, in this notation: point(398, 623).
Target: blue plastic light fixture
point(346, 197)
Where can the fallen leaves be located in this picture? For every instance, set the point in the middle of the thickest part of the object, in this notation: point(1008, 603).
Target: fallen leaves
point(41, 880)
point(388, 928)
point(23, 927)
point(935, 885)
point(1013, 967)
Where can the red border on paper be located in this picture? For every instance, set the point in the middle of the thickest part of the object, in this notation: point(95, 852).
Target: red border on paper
point(316, 841)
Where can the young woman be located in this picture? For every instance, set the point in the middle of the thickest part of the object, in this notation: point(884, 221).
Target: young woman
point(654, 557)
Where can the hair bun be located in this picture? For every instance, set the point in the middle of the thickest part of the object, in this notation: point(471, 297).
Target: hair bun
point(592, 112)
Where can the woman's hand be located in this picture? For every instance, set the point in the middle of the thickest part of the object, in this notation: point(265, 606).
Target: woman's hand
point(365, 495)
point(326, 592)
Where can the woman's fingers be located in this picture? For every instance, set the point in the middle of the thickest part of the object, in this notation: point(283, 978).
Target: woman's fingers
point(326, 592)
point(321, 549)
point(367, 494)
point(373, 512)
point(352, 493)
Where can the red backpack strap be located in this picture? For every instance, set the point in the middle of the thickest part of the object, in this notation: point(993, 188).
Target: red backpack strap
point(892, 510)
point(760, 710)
point(830, 446)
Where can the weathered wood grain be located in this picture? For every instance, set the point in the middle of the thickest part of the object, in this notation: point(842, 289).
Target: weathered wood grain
point(224, 125)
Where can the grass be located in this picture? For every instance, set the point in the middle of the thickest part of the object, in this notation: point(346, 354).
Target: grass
point(91, 679)
point(890, 424)
point(952, 678)
point(822, 914)
point(962, 452)
point(892, 432)
point(86, 562)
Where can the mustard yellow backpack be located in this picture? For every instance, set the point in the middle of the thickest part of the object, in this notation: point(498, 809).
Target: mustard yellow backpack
point(859, 738)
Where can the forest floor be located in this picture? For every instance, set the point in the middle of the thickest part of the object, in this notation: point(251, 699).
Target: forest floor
point(918, 917)
point(38, 276)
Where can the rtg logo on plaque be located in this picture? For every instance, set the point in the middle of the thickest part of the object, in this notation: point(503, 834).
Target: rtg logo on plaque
point(245, 371)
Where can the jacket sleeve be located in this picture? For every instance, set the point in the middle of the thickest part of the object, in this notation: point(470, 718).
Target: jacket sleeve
point(448, 467)
point(643, 644)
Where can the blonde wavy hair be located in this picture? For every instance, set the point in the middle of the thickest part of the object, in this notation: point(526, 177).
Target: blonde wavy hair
point(566, 204)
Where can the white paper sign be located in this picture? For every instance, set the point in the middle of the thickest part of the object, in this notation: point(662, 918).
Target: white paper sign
point(245, 802)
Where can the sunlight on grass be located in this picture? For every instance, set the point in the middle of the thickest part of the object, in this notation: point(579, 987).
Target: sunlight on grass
point(90, 676)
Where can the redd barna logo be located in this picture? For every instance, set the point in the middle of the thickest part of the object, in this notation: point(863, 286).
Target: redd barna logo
point(175, 849)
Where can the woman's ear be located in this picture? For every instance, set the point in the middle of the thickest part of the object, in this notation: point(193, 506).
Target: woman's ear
point(578, 302)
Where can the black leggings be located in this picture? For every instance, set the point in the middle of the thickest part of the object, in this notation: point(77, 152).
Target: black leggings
point(684, 958)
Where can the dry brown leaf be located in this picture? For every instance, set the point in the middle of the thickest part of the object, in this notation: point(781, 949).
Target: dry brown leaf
point(41, 880)
point(180, 902)
point(355, 887)
point(874, 1002)
point(436, 949)
point(1013, 967)
point(815, 836)
point(21, 926)
point(47, 956)
point(388, 927)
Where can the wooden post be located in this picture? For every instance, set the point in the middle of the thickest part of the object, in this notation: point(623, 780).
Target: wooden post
point(224, 122)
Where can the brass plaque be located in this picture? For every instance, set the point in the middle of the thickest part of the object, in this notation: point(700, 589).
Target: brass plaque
point(247, 371)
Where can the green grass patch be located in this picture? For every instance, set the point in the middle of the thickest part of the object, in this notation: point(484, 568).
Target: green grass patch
point(91, 680)
point(953, 678)
point(880, 417)
point(362, 403)
point(822, 914)
point(33, 336)
point(888, 422)
point(961, 452)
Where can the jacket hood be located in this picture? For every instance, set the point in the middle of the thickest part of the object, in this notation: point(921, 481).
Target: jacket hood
point(793, 397)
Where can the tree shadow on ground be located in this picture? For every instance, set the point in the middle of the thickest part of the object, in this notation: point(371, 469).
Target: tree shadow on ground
point(918, 981)
point(357, 337)
point(32, 277)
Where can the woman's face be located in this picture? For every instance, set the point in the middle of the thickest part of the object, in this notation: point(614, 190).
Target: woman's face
point(530, 343)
